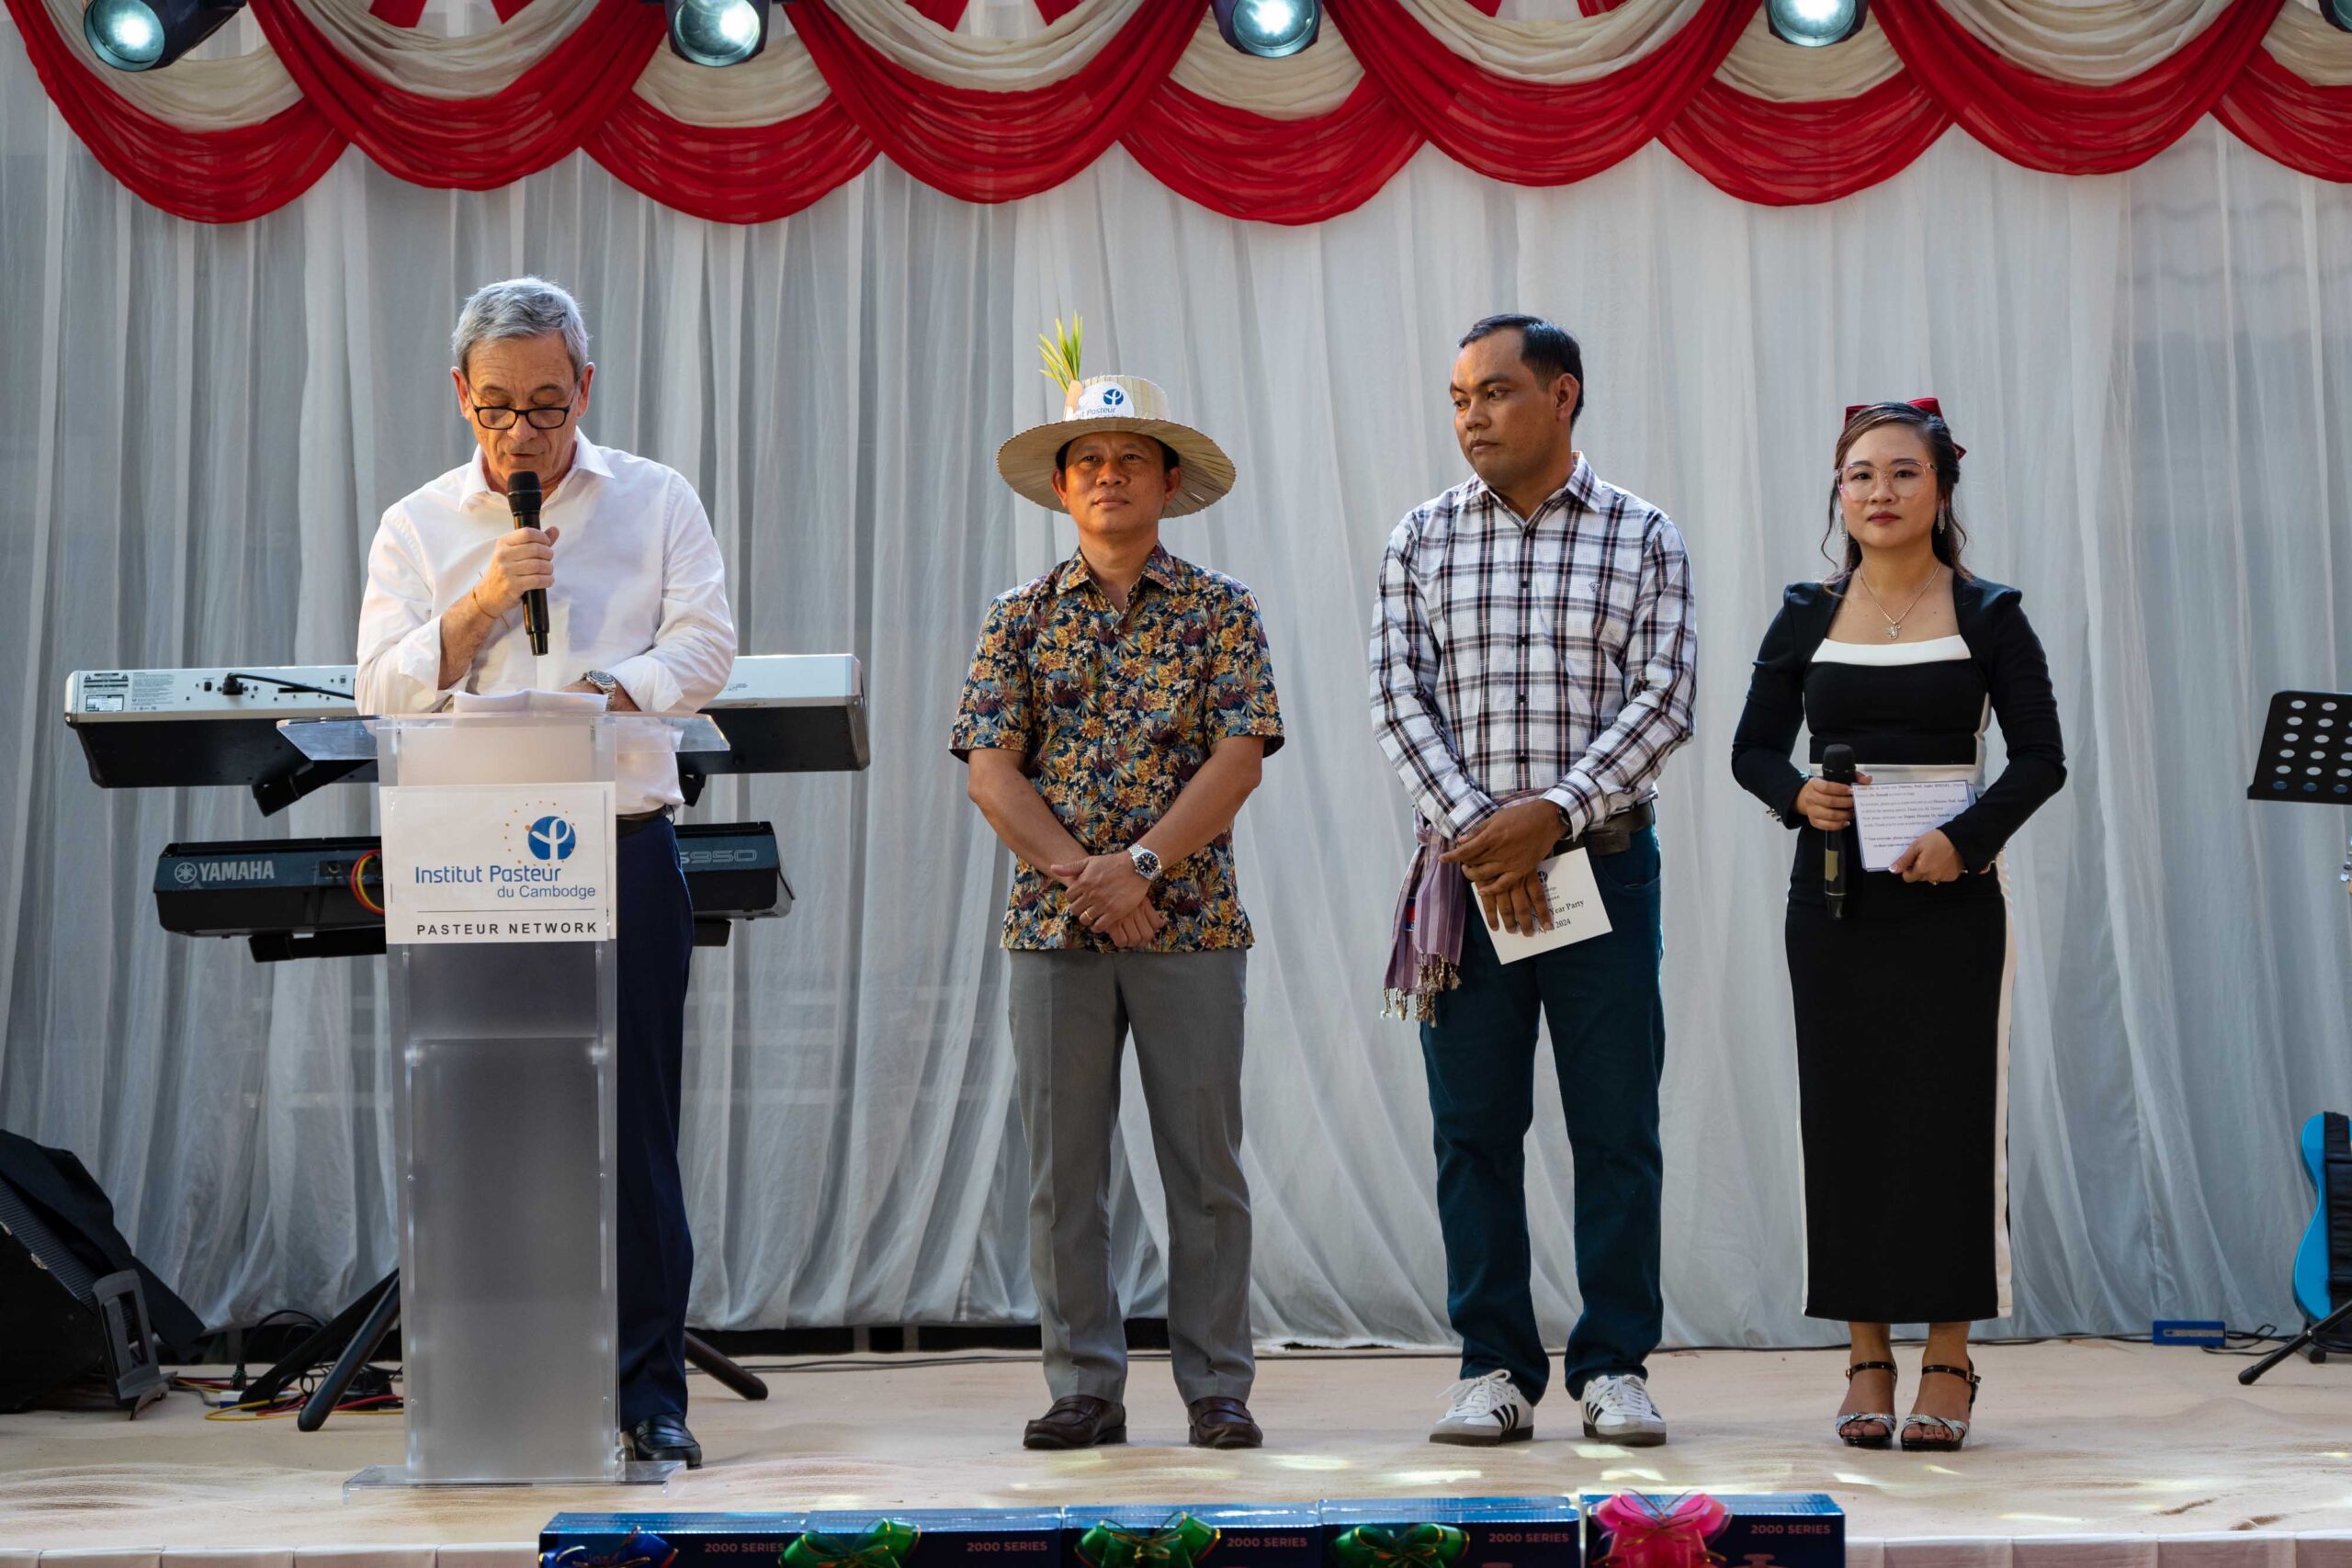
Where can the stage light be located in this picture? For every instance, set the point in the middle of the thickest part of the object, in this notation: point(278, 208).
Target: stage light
point(146, 35)
point(1269, 29)
point(1815, 23)
point(2337, 11)
point(717, 33)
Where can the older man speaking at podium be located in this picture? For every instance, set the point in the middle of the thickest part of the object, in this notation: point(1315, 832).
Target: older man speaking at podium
point(636, 608)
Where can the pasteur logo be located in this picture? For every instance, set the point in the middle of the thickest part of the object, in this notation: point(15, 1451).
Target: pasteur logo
point(551, 838)
point(540, 833)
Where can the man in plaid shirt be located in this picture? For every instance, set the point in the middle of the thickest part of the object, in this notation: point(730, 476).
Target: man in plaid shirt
point(1533, 666)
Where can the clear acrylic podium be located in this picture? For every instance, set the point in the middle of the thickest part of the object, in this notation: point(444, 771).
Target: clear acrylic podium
point(502, 1057)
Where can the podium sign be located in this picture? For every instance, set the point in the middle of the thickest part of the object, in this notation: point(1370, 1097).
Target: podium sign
point(498, 863)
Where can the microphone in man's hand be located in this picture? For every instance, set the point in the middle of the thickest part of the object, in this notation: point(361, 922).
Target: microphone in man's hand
point(1837, 767)
point(522, 495)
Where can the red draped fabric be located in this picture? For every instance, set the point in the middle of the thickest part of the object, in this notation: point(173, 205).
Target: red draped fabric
point(403, 13)
point(998, 145)
point(473, 143)
point(2278, 114)
point(2064, 126)
point(1534, 133)
point(223, 177)
point(1791, 154)
point(1274, 171)
point(985, 146)
point(753, 175)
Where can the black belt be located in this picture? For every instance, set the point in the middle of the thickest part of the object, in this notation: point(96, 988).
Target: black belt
point(1614, 836)
point(638, 821)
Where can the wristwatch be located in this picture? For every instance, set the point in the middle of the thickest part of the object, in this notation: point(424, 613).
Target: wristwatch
point(603, 682)
point(1147, 863)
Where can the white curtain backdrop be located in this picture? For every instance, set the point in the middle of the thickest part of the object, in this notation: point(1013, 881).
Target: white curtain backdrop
point(2153, 376)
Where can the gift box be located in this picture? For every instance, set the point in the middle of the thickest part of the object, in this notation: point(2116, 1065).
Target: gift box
point(1221, 1535)
point(1774, 1529)
point(927, 1538)
point(1451, 1532)
point(666, 1540)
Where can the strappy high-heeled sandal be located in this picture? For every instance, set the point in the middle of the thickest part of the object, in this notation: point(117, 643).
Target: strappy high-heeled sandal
point(1882, 1439)
point(1938, 1434)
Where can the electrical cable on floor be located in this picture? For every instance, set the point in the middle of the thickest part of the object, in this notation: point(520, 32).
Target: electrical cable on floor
point(891, 1361)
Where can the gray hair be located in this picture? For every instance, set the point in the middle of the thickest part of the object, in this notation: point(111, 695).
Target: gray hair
point(520, 306)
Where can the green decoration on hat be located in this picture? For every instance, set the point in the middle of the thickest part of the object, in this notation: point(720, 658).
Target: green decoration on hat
point(1060, 349)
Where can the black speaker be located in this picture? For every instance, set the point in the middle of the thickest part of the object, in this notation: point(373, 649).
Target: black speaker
point(75, 1307)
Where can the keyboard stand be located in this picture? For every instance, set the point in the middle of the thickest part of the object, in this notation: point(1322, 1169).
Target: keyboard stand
point(358, 1331)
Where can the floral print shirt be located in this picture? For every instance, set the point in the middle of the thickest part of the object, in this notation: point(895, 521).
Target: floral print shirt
point(1112, 715)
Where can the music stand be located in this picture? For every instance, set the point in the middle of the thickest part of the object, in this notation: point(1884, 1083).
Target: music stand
point(2306, 755)
point(2306, 758)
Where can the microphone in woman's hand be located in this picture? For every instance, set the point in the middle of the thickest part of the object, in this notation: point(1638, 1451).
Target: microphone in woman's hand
point(1837, 767)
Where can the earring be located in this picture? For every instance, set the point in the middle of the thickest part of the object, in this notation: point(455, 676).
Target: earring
point(1939, 521)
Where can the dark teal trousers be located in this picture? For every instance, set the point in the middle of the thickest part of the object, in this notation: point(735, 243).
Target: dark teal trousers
point(1607, 1026)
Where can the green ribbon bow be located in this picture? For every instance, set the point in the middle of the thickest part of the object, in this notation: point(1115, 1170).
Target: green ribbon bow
point(886, 1545)
point(1176, 1544)
point(1416, 1546)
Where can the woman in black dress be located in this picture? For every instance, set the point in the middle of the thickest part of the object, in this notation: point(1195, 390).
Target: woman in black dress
point(1902, 1004)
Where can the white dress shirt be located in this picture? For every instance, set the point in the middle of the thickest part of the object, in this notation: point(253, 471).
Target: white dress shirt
point(639, 592)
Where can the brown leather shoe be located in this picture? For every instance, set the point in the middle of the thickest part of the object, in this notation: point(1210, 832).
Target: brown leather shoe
point(1222, 1423)
point(1077, 1421)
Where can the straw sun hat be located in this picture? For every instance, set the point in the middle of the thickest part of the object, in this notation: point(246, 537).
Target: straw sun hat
point(1099, 403)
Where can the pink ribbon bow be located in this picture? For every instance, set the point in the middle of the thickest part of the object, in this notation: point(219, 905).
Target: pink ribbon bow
point(1642, 1534)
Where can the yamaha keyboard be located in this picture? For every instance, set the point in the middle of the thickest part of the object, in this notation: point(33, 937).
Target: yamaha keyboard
point(162, 728)
point(323, 897)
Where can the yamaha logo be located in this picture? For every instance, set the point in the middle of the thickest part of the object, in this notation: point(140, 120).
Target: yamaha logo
point(185, 874)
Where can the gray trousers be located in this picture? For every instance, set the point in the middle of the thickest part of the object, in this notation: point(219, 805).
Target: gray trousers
point(1071, 1015)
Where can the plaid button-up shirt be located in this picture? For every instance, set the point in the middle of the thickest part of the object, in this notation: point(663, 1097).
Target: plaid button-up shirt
point(1551, 654)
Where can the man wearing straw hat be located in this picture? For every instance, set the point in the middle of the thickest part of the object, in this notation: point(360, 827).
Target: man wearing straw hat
point(1114, 719)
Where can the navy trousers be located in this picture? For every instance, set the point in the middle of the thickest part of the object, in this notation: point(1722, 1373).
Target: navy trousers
point(653, 1249)
point(1608, 1024)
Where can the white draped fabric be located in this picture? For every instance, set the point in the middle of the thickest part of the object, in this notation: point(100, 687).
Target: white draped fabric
point(200, 426)
point(462, 51)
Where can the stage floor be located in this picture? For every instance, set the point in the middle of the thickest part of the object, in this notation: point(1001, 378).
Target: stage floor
point(2078, 1438)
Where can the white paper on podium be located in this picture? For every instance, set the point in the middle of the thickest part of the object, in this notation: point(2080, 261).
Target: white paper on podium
point(498, 863)
point(1577, 913)
point(1888, 817)
point(530, 700)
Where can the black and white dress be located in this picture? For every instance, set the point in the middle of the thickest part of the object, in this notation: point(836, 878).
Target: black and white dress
point(1902, 1007)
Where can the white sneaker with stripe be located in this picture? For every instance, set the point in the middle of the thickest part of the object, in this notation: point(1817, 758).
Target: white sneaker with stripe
point(1483, 1410)
point(1618, 1410)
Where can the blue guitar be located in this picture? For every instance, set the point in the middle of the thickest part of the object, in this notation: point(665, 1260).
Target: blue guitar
point(2324, 1261)
point(2335, 1213)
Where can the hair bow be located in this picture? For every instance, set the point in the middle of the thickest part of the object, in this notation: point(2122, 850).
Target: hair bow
point(1924, 405)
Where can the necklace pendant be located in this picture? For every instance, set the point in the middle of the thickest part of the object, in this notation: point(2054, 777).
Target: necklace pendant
point(1893, 632)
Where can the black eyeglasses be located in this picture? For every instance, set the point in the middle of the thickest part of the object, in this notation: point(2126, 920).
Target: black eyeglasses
point(500, 416)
